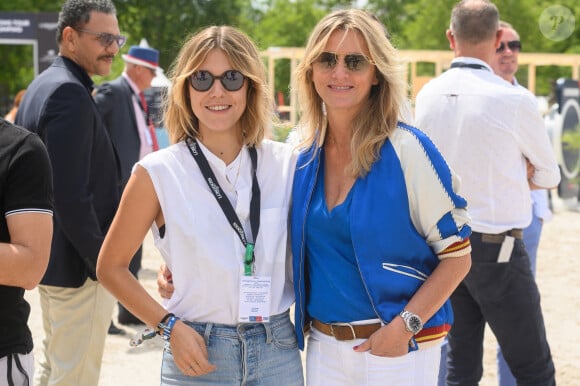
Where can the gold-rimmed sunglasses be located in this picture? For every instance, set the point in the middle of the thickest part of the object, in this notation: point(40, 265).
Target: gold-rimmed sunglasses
point(327, 61)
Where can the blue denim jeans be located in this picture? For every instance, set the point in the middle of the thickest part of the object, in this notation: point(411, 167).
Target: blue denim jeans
point(245, 354)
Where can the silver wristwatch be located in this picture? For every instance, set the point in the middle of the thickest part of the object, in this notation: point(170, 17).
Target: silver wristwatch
point(413, 323)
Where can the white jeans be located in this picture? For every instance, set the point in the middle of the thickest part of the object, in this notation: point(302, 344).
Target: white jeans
point(21, 373)
point(330, 362)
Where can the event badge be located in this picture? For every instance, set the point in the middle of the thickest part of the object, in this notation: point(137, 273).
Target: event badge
point(255, 299)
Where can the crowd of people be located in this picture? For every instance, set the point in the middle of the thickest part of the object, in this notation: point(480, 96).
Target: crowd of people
point(396, 239)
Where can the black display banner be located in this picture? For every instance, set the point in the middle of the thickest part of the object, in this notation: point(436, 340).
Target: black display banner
point(38, 29)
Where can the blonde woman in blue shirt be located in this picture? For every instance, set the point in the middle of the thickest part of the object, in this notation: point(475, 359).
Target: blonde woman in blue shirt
point(379, 232)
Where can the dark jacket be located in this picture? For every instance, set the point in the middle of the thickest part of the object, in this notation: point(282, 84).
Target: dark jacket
point(115, 102)
point(59, 107)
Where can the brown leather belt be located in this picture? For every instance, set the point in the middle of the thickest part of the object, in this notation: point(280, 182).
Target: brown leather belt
point(500, 237)
point(345, 331)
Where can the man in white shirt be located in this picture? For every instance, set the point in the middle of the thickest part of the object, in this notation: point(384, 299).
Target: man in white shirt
point(505, 64)
point(486, 129)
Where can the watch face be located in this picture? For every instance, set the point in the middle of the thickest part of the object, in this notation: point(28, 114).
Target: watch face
point(415, 324)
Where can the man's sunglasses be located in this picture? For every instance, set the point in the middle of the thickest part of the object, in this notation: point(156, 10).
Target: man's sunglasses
point(232, 80)
point(105, 38)
point(327, 61)
point(514, 45)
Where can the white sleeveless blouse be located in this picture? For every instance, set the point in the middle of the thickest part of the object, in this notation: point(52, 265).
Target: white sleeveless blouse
point(200, 247)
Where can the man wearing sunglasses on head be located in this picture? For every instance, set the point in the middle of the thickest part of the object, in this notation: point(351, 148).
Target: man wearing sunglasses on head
point(505, 64)
point(59, 107)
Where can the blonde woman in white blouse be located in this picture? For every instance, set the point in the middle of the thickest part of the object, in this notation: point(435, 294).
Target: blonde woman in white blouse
point(217, 202)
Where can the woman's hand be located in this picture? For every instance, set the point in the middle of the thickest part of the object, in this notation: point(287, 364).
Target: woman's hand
point(189, 351)
point(391, 340)
point(164, 282)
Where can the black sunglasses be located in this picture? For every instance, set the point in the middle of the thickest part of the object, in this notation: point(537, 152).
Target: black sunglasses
point(105, 38)
point(232, 80)
point(354, 62)
point(514, 45)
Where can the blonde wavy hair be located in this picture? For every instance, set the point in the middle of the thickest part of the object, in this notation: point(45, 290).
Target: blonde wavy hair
point(378, 117)
point(179, 118)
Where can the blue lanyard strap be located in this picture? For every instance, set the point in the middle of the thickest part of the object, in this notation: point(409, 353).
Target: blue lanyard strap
point(226, 205)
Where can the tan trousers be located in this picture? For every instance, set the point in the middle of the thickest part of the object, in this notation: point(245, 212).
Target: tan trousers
point(75, 324)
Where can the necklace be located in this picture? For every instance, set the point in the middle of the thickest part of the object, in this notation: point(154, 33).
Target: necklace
point(238, 171)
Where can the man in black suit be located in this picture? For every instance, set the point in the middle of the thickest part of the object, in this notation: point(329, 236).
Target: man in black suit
point(60, 108)
point(125, 113)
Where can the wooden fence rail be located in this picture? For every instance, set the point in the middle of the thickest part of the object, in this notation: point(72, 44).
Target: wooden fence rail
point(440, 59)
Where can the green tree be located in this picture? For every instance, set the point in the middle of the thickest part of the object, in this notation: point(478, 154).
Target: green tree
point(166, 25)
point(425, 22)
point(283, 24)
point(280, 23)
point(413, 24)
point(396, 15)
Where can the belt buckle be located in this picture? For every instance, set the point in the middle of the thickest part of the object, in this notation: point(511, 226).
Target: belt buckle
point(343, 325)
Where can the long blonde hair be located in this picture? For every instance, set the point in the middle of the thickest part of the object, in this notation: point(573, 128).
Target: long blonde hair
point(180, 120)
point(378, 118)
